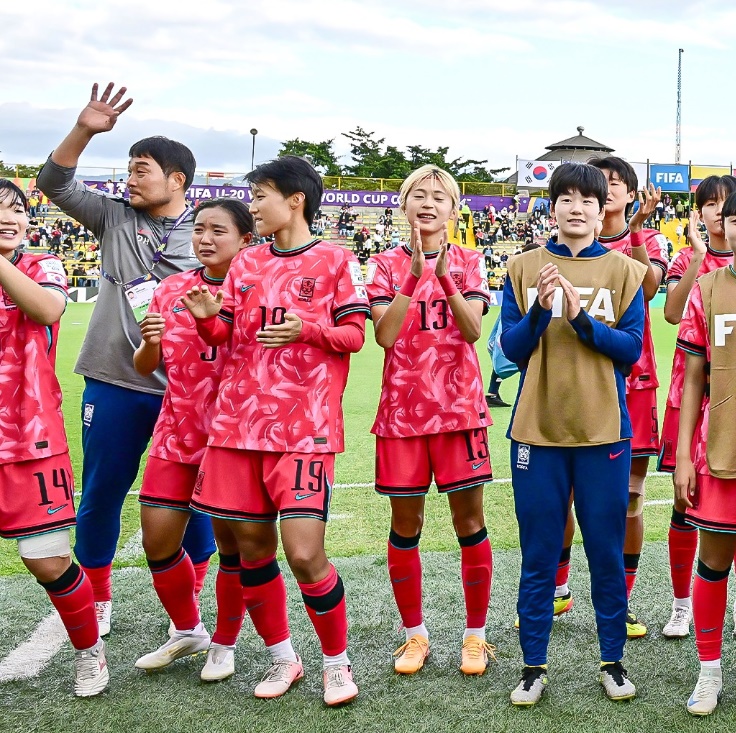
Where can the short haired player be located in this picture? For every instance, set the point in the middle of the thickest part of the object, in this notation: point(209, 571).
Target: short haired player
point(427, 301)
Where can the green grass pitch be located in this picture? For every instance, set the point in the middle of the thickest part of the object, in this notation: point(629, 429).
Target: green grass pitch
point(440, 698)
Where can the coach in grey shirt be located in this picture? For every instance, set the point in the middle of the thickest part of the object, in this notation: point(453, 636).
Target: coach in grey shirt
point(142, 241)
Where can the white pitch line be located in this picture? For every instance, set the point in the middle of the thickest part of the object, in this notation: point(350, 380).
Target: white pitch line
point(133, 548)
point(32, 656)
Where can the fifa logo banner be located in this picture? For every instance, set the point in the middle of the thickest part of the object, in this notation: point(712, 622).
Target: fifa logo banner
point(535, 173)
point(670, 177)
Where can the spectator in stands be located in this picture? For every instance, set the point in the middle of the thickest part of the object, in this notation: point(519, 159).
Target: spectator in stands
point(32, 206)
point(55, 245)
point(679, 209)
point(93, 276)
point(463, 229)
point(78, 277)
point(395, 238)
point(488, 254)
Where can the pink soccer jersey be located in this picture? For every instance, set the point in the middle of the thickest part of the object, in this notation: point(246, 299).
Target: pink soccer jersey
point(432, 381)
point(680, 262)
point(192, 369)
point(287, 399)
point(31, 422)
point(693, 338)
point(644, 372)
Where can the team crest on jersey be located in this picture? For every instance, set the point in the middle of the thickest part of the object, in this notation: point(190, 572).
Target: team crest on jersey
point(522, 456)
point(8, 301)
point(198, 483)
point(457, 278)
point(306, 291)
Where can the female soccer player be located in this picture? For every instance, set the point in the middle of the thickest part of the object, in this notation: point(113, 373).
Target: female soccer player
point(707, 484)
point(36, 482)
point(295, 310)
point(427, 300)
point(222, 228)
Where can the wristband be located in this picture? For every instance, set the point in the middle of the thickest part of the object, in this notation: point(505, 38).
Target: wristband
point(638, 239)
point(448, 285)
point(409, 286)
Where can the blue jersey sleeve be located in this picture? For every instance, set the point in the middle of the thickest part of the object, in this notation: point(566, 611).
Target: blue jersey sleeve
point(621, 344)
point(520, 334)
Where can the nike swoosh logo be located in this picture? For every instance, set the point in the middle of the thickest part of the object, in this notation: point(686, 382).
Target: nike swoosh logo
point(299, 497)
point(179, 308)
point(476, 466)
point(708, 631)
point(54, 509)
point(322, 613)
point(614, 456)
point(400, 580)
point(244, 288)
point(256, 605)
point(474, 582)
point(397, 288)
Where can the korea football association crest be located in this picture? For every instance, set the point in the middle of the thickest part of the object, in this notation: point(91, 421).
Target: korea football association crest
point(522, 456)
point(306, 289)
point(457, 278)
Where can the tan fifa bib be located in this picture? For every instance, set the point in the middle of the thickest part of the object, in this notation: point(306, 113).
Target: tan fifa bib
point(719, 303)
point(569, 397)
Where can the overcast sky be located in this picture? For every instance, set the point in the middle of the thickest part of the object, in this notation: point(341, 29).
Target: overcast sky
point(492, 79)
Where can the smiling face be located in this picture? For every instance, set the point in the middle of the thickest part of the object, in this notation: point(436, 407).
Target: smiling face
point(577, 215)
point(13, 222)
point(430, 204)
point(216, 240)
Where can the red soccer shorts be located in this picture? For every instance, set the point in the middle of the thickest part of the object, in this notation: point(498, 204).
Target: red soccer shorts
point(168, 484)
point(642, 404)
point(260, 486)
point(458, 460)
point(715, 504)
point(36, 496)
point(670, 433)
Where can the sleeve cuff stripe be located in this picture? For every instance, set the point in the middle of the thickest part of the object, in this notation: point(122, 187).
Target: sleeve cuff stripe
point(691, 348)
point(355, 309)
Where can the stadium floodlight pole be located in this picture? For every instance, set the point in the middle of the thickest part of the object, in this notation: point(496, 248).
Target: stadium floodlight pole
point(253, 132)
point(678, 126)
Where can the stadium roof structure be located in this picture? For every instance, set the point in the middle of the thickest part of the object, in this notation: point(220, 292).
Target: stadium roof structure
point(578, 149)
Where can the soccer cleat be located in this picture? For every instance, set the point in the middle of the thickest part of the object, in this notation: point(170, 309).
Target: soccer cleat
point(635, 629)
point(707, 692)
point(91, 675)
point(103, 611)
point(220, 663)
point(339, 685)
point(410, 656)
point(178, 646)
point(531, 687)
point(475, 655)
point(678, 627)
point(279, 677)
point(496, 401)
point(615, 682)
point(560, 605)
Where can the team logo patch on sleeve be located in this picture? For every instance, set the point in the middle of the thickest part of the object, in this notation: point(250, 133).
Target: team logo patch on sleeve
point(54, 271)
point(356, 274)
point(370, 273)
point(361, 292)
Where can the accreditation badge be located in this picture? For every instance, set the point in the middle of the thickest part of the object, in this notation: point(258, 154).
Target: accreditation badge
point(139, 294)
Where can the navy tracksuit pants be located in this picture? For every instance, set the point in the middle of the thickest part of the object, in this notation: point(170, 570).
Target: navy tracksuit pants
point(543, 478)
point(117, 424)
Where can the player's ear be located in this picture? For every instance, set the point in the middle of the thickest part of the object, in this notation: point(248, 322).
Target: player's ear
point(177, 179)
point(296, 200)
point(246, 240)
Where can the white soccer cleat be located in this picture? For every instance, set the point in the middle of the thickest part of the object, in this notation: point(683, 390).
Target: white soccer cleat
point(678, 627)
point(531, 687)
point(616, 682)
point(704, 699)
point(339, 685)
point(91, 675)
point(279, 677)
point(103, 611)
point(220, 663)
point(178, 646)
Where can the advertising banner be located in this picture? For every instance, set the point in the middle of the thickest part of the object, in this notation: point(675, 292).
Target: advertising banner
point(699, 172)
point(671, 178)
